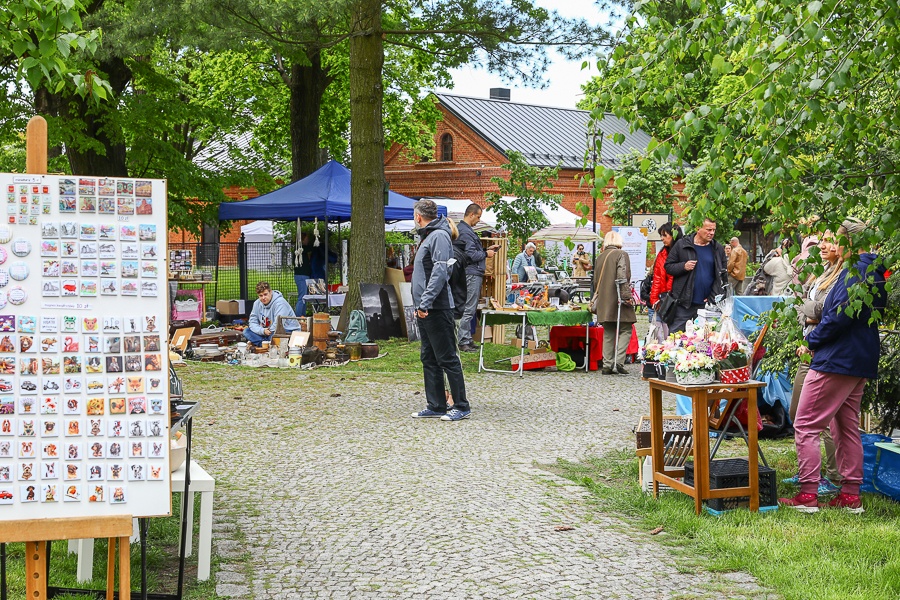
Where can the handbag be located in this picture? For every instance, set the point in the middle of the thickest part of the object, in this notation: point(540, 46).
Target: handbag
point(666, 308)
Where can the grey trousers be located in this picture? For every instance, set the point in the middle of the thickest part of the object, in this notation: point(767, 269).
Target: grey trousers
point(473, 292)
point(737, 286)
point(609, 344)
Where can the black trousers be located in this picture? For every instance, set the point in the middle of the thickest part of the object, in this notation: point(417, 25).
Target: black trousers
point(682, 316)
point(439, 357)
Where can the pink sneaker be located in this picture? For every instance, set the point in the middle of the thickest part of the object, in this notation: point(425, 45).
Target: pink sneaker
point(805, 503)
point(849, 502)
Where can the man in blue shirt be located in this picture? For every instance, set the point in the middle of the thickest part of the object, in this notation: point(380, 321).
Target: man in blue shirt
point(697, 264)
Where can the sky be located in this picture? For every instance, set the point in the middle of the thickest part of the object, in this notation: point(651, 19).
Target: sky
point(564, 77)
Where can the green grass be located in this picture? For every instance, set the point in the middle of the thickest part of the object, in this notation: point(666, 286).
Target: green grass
point(824, 556)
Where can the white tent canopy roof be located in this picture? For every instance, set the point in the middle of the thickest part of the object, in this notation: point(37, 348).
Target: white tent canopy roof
point(257, 231)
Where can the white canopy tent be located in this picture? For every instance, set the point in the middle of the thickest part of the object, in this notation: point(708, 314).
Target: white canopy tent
point(455, 210)
point(257, 253)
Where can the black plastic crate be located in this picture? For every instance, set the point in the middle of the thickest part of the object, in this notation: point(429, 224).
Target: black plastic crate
point(735, 472)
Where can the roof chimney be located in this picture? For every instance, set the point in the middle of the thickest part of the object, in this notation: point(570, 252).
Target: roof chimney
point(500, 94)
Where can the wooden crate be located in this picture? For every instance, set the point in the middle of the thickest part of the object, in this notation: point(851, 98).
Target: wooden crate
point(494, 283)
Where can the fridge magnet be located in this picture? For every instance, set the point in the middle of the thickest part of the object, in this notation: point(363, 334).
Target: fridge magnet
point(129, 250)
point(87, 204)
point(114, 364)
point(73, 427)
point(89, 268)
point(154, 386)
point(116, 428)
point(106, 187)
point(155, 428)
point(7, 323)
point(147, 232)
point(152, 362)
point(88, 288)
point(68, 229)
point(69, 324)
point(71, 343)
point(151, 343)
point(95, 406)
point(92, 344)
point(136, 450)
point(26, 471)
point(68, 267)
point(95, 385)
point(117, 495)
point(129, 269)
point(7, 367)
point(114, 451)
point(68, 288)
point(133, 363)
point(18, 270)
point(128, 233)
point(28, 494)
point(136, 386)
point(156, 449)
point(73, 493)
point(3, 299)
point(93, 365)
point(117, 406)
point(3, 255)
point(5, 234)
point(95, 427)
point(124, 187)
point(72, 385)
point(72, 406)
point(50, 429)
point(73, 452)
point(49, 406)
point(17, 295)
point(149, 251)
point(6, 427)
point(106, 206)
point(8, 345)
point(97, 493)
point(49, 229)
point(149, 269)
point(50, 449)
point(88, 231)
point(26, 449)
point(50, 289)
point(154, 473)
point(138, 404)
point(112, 325)
point(27, 387)
point(112, 344)
point(136, 428)
point(149, 289)
point(107, 250)
point(143, 188)
point(50, 248)
point(27, 426)
point(96, 472)
point(21, 247)
point(130, 343)
point(90, 325)
point(129, 288)
point(50, 365)
point(67, 204)
point(88, 249)
point(87, 186)
point(124, 205)
point(26, 343)
point(106, 232)
point(49, 324)
point(49, 343)
point(144, 206)
point(150, 325)
point(48, 492)
point(108, 268)
point(46, 207)
point(96, 450)
point(72, 472)
point(7, 405)
point(136, 472)
point(50, 386)
point(72, 364)
point(28, 366)
point(115, 385)
point(49, 470)
point(6, 493)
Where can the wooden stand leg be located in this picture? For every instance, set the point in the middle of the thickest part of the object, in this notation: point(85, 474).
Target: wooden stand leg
point(110, 568)
point(753, 461)
point(36, 570)
point(657, 451)
point(124, 568)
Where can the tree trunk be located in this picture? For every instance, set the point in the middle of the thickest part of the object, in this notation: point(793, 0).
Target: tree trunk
point(366, 151)
point(307, 86)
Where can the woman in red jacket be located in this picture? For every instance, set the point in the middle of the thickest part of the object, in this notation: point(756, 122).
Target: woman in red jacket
point(662, 281)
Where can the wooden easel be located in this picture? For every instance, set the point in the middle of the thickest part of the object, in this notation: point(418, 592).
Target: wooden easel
point(115, 527)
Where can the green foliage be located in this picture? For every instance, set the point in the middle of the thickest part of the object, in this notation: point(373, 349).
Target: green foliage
point(647, 186)
point(518, 204)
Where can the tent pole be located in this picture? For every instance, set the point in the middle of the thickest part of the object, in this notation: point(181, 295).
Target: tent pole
point(327, 309)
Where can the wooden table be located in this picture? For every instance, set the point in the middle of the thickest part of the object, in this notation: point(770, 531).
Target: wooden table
point(703, 397)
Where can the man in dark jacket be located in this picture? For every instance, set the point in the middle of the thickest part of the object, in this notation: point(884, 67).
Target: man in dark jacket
point(697, 265)
point(845, 350)
point(434, 312)
point(470, 244)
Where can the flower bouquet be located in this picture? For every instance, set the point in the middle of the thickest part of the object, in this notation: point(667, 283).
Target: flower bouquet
point(694, 368)
point(730, 347)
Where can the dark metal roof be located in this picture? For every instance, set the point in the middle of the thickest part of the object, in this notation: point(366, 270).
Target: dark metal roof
point(546, 136)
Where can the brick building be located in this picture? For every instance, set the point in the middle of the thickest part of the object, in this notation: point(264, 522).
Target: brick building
point(474, 134)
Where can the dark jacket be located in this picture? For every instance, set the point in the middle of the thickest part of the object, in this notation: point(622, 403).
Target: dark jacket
point(683, 280)
point(849, 345)
point(469, 242)
point(430, 274)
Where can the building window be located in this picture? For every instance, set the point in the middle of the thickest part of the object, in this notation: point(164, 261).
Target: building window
point(447, 147)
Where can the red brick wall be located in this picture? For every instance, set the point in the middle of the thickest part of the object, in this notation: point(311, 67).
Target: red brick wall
point(234, 234)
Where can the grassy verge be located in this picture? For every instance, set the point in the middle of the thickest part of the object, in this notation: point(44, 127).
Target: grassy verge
point(824, 556)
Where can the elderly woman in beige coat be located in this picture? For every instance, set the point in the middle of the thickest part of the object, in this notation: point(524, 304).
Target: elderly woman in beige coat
point(613, 266)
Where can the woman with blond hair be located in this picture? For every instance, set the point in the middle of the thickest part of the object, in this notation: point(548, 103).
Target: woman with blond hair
point(612, 302)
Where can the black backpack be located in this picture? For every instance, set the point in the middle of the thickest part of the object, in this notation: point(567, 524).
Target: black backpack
point(646, 286)
point(457, 281)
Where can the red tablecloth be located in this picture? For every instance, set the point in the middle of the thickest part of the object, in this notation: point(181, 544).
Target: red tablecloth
point(564, 338)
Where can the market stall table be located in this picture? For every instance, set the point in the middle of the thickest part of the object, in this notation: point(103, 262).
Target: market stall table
point(530, 317)
point(703, 397)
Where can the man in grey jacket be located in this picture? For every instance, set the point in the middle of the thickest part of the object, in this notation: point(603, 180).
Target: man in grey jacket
point(470, 244)
point(434, 312)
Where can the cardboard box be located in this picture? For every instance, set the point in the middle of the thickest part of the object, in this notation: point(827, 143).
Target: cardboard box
point(531, 344)
point(231, 307)
point(488, 333)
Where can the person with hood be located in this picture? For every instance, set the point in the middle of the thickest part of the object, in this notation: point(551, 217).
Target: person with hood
point(613, 271)
point(845, 349)
point(434, 314)
point(697, 265)
point(266, 310)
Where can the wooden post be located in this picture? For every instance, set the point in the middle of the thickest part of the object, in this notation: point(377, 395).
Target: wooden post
point(36, 146)
point(36, 570)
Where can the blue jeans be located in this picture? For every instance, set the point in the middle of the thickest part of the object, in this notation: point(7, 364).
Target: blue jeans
point(473, 291)
point(300, 307)
point(255, 338)
point(439, 356)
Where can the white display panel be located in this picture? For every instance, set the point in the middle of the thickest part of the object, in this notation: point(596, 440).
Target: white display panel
point(84, 405)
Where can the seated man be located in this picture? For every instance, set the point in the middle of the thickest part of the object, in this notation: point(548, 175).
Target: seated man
point(265, 313)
